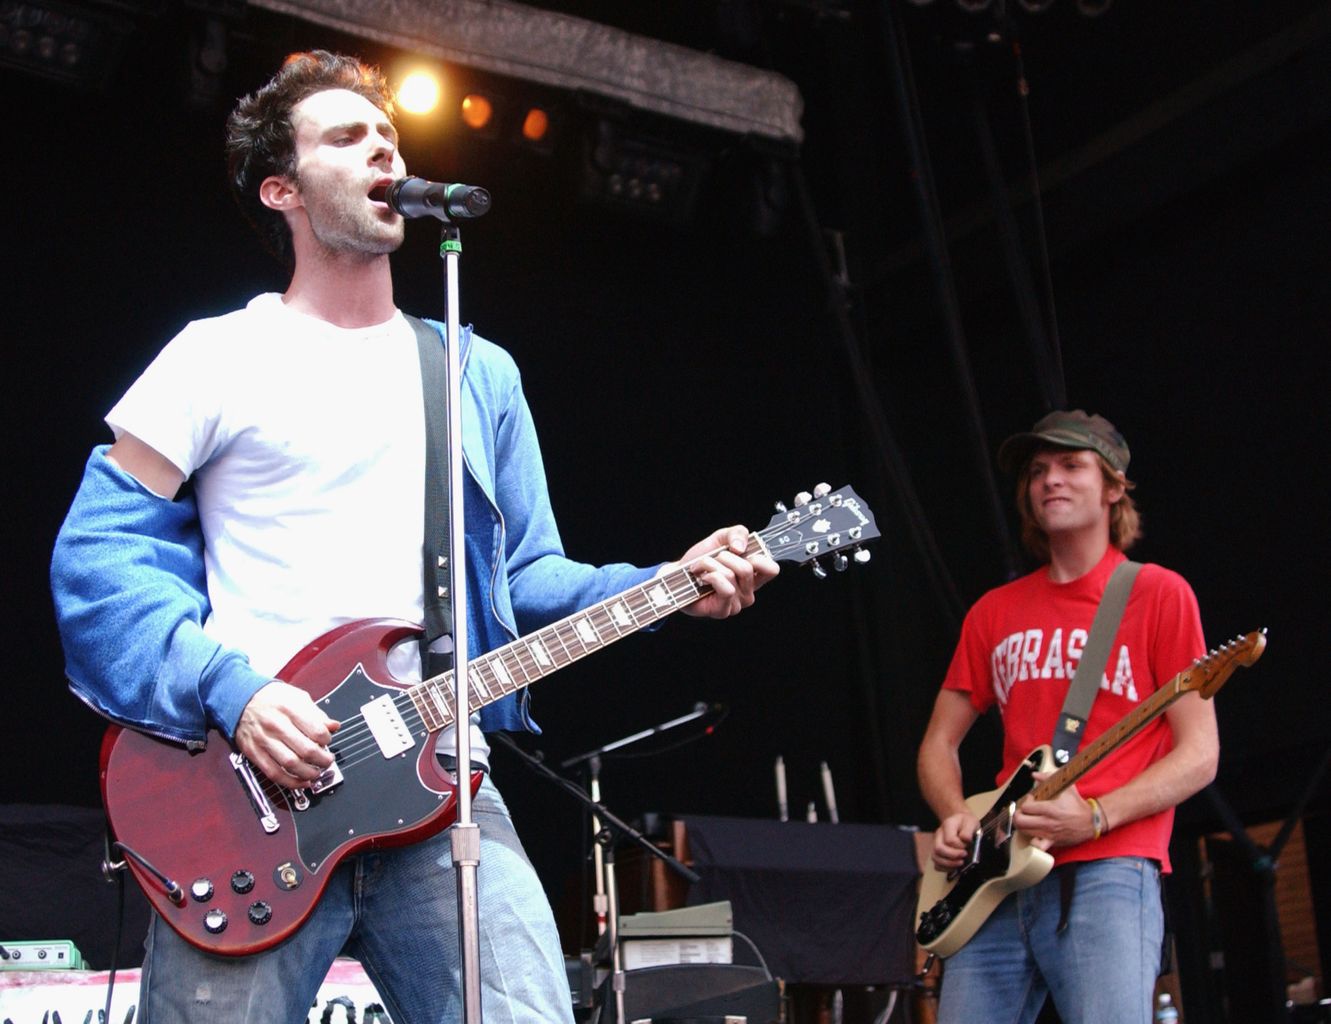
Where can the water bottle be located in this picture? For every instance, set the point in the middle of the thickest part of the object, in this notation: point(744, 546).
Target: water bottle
point(1165, 1010)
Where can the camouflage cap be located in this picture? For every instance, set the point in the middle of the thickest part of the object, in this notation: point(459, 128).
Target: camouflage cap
point(1074, 428)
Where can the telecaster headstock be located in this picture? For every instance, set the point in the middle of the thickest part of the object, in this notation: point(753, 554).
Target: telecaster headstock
point(1208, 674)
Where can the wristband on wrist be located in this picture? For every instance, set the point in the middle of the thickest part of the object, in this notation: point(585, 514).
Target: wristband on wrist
point(1097, 818)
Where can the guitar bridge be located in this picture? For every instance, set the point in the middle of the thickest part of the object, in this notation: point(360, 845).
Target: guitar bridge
point(332, 776)
point(263, 810)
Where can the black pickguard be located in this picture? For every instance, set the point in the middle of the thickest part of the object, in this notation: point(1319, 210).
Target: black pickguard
point(377, 795)
point(995, 855)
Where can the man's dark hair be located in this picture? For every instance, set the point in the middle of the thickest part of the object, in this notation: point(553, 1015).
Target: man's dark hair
point(260, 140)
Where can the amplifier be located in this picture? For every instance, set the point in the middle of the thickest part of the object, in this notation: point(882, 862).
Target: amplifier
point(48, 955)
point(682, 992)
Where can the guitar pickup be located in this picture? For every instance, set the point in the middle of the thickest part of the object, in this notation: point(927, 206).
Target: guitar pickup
point(387, 727)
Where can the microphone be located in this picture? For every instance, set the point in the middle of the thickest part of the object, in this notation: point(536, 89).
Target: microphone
point(416, 197)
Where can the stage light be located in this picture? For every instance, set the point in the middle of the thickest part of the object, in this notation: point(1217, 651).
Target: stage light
point(542, 127)
point(640, 174)
point(419, 92)
point(73, 45)
point(536, 125)
point(477, 112)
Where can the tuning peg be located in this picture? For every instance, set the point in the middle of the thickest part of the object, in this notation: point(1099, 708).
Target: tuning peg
point(839, 562)
point(802, 499)
point(862, 556)
point(818, 569)
point(822, 490)
point(781, 506)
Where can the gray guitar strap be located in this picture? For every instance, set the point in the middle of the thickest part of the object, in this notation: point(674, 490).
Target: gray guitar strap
point(438, 604)
point(1094, 660)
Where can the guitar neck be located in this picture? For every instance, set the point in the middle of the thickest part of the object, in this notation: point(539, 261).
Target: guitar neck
point(507, 669)
point(1122, 731)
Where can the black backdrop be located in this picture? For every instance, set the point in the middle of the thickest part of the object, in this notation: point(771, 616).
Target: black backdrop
point(686, 376)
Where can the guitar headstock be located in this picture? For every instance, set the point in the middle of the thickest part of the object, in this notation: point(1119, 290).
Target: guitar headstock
point(826, 522)
point(1208, 674)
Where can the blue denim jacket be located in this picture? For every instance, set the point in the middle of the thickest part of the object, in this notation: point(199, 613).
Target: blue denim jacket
point(128, 580)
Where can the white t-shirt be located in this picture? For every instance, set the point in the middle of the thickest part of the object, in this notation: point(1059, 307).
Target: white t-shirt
point(306, 443)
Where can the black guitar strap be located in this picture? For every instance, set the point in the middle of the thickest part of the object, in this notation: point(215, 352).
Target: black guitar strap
point(435, 653)
point(1094, 660)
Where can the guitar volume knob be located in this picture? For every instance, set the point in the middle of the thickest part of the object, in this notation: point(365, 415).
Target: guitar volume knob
point(201, 889)
point(260, 912)
point(242, 882)
point(215, 921)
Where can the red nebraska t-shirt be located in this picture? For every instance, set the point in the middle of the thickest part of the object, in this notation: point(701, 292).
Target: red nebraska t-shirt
point(1020, 646)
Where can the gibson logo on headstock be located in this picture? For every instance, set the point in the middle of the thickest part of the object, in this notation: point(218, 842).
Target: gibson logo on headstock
point(854, 507)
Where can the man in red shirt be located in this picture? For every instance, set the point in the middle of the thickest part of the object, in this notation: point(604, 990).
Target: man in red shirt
point(1093, 945)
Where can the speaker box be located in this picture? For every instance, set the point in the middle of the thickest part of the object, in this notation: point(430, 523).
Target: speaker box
point(680, 992)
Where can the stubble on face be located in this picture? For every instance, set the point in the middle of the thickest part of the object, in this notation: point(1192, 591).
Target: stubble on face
point(345, 224)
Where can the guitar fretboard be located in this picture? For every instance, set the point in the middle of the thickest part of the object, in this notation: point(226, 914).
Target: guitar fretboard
point(1123, 730)
point(1205, 675)
point(508, 669)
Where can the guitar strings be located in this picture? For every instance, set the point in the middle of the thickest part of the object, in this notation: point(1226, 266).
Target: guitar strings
point(354, 743)
point(355, 740)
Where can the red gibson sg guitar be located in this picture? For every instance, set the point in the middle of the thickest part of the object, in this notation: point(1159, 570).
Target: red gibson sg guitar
point(235, 863)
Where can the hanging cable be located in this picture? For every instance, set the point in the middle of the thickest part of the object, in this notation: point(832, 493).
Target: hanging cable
point(1048, 373)
point(935, 246)
point(1057, 381)
point(884, 441)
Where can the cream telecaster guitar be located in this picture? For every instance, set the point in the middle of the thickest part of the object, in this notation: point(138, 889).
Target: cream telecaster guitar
point(953, 904)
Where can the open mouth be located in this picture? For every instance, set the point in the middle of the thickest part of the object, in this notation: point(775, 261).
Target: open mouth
point(379, 194)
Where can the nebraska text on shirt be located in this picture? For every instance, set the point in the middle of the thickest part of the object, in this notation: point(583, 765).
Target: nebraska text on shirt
point(1026, 655)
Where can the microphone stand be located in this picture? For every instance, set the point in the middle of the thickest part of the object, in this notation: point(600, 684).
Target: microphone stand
point(600, 901)
point(606, 901)
point(699, 710)
point(603, 849)
point(465, 834)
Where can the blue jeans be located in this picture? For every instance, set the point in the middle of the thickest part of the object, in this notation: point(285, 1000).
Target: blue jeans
point(396, 912)
point(1100, 970)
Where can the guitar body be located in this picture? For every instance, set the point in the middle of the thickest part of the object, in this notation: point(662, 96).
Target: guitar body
point(953, 905)
point(252, 871)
